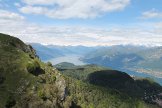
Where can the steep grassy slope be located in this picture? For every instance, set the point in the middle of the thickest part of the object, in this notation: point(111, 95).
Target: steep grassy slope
point(24, 80)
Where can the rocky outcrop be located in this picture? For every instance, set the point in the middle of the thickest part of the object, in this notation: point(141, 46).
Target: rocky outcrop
point(61, 84)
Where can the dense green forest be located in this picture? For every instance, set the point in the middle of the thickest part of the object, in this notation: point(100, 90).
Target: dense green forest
point(85, 95)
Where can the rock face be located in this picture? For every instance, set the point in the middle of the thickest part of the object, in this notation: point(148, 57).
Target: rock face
point(60, 82)
point(25, 81)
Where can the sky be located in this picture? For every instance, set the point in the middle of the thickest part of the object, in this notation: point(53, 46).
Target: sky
point(83, 22)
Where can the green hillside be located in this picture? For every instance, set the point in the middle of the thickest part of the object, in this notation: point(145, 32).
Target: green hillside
point(85, 95)
point(116, 81)
point(26, 82)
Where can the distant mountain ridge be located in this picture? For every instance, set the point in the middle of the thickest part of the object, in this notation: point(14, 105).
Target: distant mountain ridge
point(47, 52)
point(143, 59)
point(133, 58)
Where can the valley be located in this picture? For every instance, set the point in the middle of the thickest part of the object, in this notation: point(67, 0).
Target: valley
point(140, 61)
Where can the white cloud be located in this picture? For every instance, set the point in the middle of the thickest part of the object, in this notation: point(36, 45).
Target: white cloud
point(151, 14)
point(6, 15)
point(64, 9)
point(84, 36)
point(34, 10)
point(9, 18)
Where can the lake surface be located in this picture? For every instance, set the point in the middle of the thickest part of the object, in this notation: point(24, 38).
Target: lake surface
point(68, 58)
point(75, 60)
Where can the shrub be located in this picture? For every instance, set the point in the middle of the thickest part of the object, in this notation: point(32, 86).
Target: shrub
point(1, 79)
point(49, 64)
point(41, 94)
point(53, 78)
point(10, 102)
point(33, 67)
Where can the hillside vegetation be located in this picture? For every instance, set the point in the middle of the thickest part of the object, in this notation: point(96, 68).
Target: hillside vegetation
point(25, 81)
point(137, 89)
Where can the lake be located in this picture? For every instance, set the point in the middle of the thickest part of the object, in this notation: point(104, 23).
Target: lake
point(68, 58)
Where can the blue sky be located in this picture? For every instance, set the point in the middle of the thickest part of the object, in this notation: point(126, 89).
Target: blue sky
point(83, 22)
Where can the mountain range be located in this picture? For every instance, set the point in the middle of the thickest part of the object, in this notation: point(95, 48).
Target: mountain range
point(47, 52)
point(132, 58)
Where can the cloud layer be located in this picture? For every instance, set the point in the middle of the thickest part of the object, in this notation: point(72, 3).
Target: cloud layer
point(65, 9)
point(75, 35)
point(6, 15)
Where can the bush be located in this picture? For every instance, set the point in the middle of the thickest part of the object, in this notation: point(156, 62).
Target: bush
point(53, 78)
point(1, 79)
point(49, 64)
point(41, 94)
point(10, 102)
point(33, 67)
